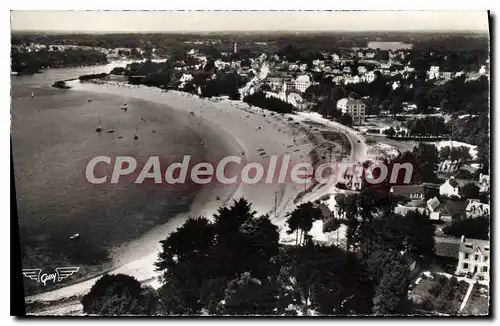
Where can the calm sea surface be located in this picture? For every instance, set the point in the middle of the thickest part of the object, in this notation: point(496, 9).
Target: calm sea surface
point(54, 137)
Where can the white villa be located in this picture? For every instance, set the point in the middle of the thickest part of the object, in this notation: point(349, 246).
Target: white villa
point(474, 258)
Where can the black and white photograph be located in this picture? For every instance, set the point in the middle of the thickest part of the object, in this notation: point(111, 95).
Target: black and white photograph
point(251, 163)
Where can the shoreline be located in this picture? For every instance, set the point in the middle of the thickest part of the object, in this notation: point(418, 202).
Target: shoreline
point(252, 129)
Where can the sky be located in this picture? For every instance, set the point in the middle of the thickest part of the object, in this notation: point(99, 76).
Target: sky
point(205, 21)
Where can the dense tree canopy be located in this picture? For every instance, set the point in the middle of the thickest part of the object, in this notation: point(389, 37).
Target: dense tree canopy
point(473, 228)
point(31, 62)
point(119, 295)
point(426, 159)
point(260, 100)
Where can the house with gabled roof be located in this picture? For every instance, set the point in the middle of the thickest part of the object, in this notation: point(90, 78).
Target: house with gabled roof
point(484, 183)
point(433, 204)
point(476, 209)
point(474, 258)
point(449, 188)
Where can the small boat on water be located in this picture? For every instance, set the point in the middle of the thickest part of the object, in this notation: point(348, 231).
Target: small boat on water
point(99, 128)
point(110, 131)
point(32, 94)
point(75, 236)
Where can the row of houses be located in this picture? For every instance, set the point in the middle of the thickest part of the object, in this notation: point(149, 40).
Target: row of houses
point(434, 73)
point(472, 256)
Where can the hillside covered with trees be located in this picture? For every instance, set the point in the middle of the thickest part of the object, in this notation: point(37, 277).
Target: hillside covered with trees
point(235, 265)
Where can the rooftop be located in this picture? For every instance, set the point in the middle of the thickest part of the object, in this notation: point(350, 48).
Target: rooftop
point(471, 245)
point(349, 101)
point(447, 247)
point(407, 190)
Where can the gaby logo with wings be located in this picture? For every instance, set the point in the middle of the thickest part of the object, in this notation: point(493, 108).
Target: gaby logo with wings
point(60, 274)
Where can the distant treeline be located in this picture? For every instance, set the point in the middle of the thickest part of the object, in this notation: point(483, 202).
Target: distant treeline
point(93, 76)
point(255, 43)
point(25, 62)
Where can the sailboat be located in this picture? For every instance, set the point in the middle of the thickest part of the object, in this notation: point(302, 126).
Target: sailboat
point(135, 136)
point(32, 94)
point(99, 128)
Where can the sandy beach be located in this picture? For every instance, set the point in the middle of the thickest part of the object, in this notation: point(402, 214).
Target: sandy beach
point(254, 131)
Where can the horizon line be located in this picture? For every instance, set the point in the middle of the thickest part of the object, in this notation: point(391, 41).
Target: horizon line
point(416, 31)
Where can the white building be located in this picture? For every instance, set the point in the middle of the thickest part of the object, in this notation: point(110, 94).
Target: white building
point(353, 177)
point(289, 97)
point(484, 183)
point(446, 75)
point(184, 79)
point(433, 72)
point(433, 204)
point(370, 55)
point(476, 209)
point(352, 79)
point(318, 62)
point(347, 70)
point(302, 82)
point(369, 77)
point(219, 64)
point(275, 83)
point(474, 258)
point(296, 100)
point(449, 166)
point(385, 65)
point(409, 69)
point(449, 188)
point(354, 107)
